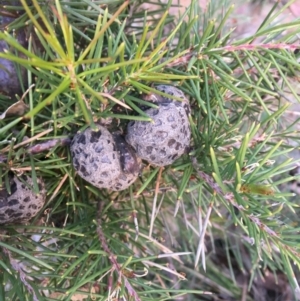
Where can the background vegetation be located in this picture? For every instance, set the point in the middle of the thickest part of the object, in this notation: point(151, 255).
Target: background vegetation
point(219, 224)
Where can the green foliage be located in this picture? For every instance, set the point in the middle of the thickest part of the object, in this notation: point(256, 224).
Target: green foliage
point(90, 62)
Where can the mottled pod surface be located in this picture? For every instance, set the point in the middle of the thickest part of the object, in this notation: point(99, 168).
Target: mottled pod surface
point(164, 100)
point(97, 158)
point(165, 139)
point(20, 204)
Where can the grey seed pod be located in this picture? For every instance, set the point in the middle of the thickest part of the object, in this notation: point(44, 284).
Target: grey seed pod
point(21, 204)
point(97, 158)
point(165, 139)
point(171, 90)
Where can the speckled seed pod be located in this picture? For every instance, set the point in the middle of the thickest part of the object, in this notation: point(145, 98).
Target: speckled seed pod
point(165, 139)
point(22, 203)
point(164, 100)
point(104, 160)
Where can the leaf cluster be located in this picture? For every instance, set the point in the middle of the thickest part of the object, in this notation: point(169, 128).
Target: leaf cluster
point(91, 61)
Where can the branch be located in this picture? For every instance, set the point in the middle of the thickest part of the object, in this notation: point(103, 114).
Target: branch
point(41, 147)
point(231, 48)
point(229, 196)
point(17, 267)
point(111, 256)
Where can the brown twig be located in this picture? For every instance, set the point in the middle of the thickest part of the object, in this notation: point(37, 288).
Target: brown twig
point(111, 256)
point(41, 147)
point(229, 196)
point(231, 48)
point(44, 146)
point(17, 267)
